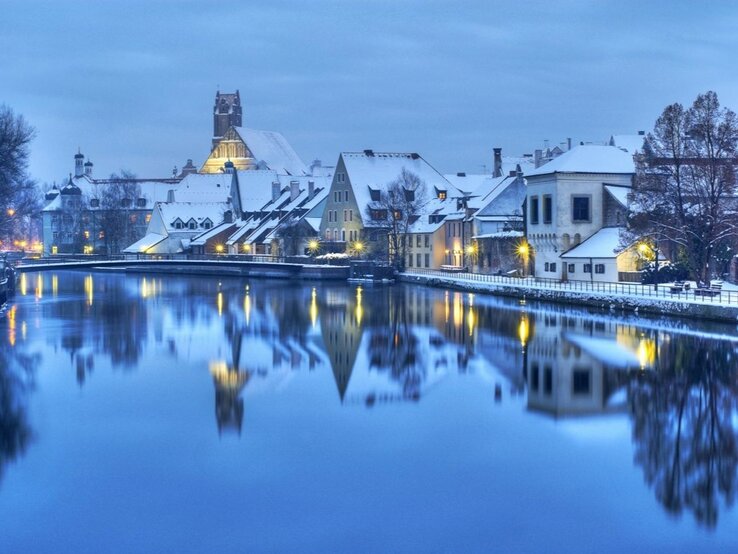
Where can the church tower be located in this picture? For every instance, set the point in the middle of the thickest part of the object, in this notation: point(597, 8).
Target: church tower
point(226, 113)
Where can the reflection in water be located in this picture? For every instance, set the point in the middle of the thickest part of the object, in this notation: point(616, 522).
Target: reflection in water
point(385, 345)
point(17, 369)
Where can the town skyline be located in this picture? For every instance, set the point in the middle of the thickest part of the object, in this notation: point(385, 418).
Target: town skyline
point(450, 84)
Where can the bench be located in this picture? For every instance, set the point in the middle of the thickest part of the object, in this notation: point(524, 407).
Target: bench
point(713, 290)
point(677, 287)
point(452, 268)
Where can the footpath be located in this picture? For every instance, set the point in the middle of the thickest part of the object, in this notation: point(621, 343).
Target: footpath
point(613, 296)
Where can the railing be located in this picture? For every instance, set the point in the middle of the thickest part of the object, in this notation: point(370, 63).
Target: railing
point(724, 297)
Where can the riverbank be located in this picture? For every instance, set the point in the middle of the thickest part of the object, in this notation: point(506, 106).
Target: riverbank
point(621, 298)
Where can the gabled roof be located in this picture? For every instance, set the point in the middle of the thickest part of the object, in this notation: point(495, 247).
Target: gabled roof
point(605, 243)
point(204, 187)
point(619, 193)
point(589, 158)
point(142, 246)
point(378, 169)
point(187, 211)
point(273, 149)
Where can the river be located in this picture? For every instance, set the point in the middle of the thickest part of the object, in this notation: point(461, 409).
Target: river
point(149, 413)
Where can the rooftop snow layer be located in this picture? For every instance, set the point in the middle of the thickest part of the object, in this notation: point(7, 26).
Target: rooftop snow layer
point(605, 243)
point(589, 158)
point(273, 149)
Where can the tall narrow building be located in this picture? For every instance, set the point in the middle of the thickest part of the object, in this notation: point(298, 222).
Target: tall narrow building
point(226, 114)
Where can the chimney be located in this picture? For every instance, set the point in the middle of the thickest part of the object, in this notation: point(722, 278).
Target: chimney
point(568, 143)
point(170, 195)
point(228, 216)
point(311, 189)
point(497, 172)
point(276, 190)
point(537, 155)
point(369, 153)
point(513, 173)
point(641, 133)
point(294, 190)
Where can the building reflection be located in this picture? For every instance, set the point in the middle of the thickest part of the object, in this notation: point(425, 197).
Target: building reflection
point(385, 345)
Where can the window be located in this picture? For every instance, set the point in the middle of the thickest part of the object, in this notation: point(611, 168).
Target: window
point(345, 215)
point(374, 194)
point(580, 209)
point(442, 195)
point(548, 380)
point(95, 203)
point(580, 383)
point(207, 224)
point(343, 235)
point(55, 234)
point(570, 268)
point(417, 241)
point(327, 234)
point(192, 224)
point(125, 203)
point(534, 377)
point(409, 260)
point(600, 268)
point(552, 267)
point(397, 214)
point(587, 268)
point(341, 177)
point(534, 210)
point(351, 215)
point(427, 241)
point(546, 266)
point(178, 224)
point(345, 196)
point(547, 209)
point(427, 260)
point(148, 218)
point(141, 202)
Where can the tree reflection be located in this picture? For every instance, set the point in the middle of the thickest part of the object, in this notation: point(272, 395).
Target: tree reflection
point(685, 418)
point(17, 369)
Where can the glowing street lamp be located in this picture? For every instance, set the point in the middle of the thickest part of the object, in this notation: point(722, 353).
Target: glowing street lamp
point(523, 252)
point(11, 212)
point(647, 249)
point(219, 248)
point(358, 247)
point(313, 246)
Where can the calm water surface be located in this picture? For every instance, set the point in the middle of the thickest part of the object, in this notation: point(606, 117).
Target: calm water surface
point(168, 414)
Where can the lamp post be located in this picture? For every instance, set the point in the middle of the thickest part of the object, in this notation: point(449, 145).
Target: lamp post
point(645, 247)
point(523, 251)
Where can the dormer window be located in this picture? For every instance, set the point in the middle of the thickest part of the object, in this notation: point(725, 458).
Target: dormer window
point(374, 194)
point(178, 224)
point(442, 195)
point(141, 203)
point(207, 224)
point(192, 224)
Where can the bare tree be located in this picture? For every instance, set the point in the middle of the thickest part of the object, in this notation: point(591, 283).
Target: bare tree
point(684, 190)
point(117, 200)
point(398, 207)
point(19, 195)
point(293, 233)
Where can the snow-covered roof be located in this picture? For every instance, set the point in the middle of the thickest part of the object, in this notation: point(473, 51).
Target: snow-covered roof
point(185, 211)
point(589, 158)
point(500, 235)
point(142, 246)
point(608, 351)
point(202, 238)
point(629, 143)
point(204, 187)
point(273, 149)
point(619, 193)
point(605, 243)
point(378, 169)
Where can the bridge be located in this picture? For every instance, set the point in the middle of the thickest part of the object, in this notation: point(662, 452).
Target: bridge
point(215, 267)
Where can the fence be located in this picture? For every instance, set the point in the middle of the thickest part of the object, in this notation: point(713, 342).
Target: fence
point(663, 291)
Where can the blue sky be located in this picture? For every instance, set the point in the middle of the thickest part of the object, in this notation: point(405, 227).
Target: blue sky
point(132, 83)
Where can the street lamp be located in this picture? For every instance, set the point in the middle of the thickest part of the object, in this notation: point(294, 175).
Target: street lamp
point(523, 252)
point(313, 246)
point(644, 248)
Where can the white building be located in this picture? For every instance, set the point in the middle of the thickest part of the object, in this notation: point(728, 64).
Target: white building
point(570, 199)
